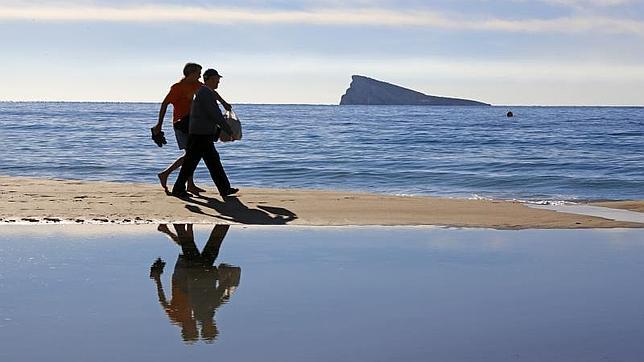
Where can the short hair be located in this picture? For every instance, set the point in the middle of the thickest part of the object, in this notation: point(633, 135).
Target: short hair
point(190, 68)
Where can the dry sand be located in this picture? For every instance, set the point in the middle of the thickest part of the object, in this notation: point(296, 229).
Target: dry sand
point(31, 200)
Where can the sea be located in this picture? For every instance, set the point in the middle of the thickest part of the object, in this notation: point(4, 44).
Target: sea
point(542, 154)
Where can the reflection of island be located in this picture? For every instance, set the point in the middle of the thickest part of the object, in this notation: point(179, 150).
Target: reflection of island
point(198, 287)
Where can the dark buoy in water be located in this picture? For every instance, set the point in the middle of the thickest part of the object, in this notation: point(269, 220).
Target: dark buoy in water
point(509, 114)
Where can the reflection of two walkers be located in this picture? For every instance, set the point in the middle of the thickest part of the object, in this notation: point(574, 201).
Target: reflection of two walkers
point(198, 287)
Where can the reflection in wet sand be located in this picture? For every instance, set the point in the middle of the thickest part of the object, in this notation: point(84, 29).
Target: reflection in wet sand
point(198, 287)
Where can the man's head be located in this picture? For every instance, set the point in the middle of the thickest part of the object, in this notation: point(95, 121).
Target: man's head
point(211, 78)
point(192, 71)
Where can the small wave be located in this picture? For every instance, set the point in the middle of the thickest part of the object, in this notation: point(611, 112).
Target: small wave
point(479, 197)
point(546, 202)
point(549, 159)
point(524, 201)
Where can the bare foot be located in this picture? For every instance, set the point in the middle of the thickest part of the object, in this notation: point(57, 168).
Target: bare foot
point(163, 179)
point(164, 229)
point(194, 189)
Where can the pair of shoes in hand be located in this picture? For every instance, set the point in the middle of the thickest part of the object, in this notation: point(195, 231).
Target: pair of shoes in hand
point(158, 138)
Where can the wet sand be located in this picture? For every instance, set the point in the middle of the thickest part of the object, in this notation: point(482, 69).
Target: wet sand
point(624, 205)
point(31, 200)
point(251, 293)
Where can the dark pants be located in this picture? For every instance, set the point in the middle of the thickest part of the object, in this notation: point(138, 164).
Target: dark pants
point(201, 146)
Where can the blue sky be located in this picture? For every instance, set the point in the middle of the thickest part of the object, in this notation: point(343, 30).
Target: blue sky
point(549, 52)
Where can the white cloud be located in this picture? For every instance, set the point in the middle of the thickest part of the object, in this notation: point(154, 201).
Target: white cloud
point(583, 3)
point(369, 17)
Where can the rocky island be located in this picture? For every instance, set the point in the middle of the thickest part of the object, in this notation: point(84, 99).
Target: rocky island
point(368, 91)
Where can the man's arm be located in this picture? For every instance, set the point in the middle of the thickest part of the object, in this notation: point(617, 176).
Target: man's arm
point(155, 274)
point(226, 105)
point(212, 110)
point(162, 112)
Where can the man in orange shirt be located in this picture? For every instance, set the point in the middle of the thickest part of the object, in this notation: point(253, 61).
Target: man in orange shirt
point(180, 96)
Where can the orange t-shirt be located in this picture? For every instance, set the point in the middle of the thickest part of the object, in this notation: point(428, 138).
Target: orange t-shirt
point(180, 96)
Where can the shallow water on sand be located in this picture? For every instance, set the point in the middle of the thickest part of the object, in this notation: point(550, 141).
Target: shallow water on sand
point(103, 293)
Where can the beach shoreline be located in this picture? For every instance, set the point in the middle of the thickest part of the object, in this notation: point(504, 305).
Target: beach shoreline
point(45, 201)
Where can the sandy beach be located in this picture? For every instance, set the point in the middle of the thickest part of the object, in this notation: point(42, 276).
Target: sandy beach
point(624, 205)
point(32, 200)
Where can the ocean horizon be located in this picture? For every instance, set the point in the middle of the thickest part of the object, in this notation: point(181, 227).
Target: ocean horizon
point(544, 153)
point(337, 104)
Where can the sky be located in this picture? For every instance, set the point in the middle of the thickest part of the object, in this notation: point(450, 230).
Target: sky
point(512, 52)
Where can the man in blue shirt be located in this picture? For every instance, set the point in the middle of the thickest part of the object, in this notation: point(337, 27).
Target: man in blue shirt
point(206, 121)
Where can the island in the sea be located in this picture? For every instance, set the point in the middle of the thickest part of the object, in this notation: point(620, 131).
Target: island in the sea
point(367, 91)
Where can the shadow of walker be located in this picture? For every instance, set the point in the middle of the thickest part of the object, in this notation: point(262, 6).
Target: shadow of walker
point(232, 209)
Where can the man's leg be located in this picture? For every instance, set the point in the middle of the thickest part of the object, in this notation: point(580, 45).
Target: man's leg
point(191, 160)
point(211, 249)
point(163, 175)
point(182, 143)
point(194, 188)
point(217, 173)
point(187, 241)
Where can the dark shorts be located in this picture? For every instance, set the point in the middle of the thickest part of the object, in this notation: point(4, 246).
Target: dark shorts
point(181, 127)
point(182, 138)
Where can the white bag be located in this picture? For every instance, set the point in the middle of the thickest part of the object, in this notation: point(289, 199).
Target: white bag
point(233, 122)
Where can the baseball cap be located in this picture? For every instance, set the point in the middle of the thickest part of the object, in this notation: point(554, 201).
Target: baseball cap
point(211, 73)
